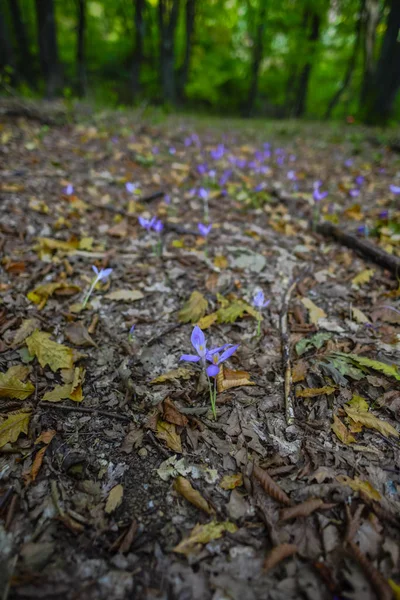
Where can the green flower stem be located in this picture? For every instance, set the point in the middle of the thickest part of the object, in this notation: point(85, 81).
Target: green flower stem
point(259, 325)
point(92, 286)
point(213, 396)
point(315, 217)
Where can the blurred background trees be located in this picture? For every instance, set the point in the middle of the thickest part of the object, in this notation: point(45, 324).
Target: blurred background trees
point(268, 58)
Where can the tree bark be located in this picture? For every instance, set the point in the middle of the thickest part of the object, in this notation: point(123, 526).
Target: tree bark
point(190, 18)
point(48, 51)
point(258, 52)
point(304, 79)
point(80, 49)
point(24, 54)
point(7, 58)
point(138, 51)
point(168, 11)
point(351, 64)
point(386, 80)
point(370, 18)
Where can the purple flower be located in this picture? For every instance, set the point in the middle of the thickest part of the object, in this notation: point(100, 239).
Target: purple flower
point(155, 150)
point(259, 187)
point(359, 180)
point(212, 173)
point(167, 199)
point(188, 141)
point(348, 162)
point(158, 225)
point(130, 187)
point(354, 193)
point(146, 223)
point(199, 344)
point(363, 230)
point(202, 169)
point(172, 150)
point(218, 153)
point(131, 332)
point(383, 214)
point(292, 158)
point(204, 229)
point(280, 160)
point(214, 357)
point(69, 190)
point(291, 175)
point(224, 177)
point(101, 275)
point(203, 193)
point(259, 300)
point(318, 195)
point(395, 189)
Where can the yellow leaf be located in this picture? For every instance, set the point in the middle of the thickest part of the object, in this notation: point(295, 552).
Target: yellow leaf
point(299, 371)
point(15, 424)
point(359, 485)
point(359, 404)
point(27, 327)
point(208, 320)
point(48, 352)
point(315, 312)
point(51, 244)
point(371, 422)
point(71, 390)
point(41, 294)
point(359, 316)
point(235, 310)
point(362, 277)
point(185, 489)
point(354, 212)
point(363, 361)
point(167, 433)
point(125, 295)
point(340, 429)
point(86, 243)
point(12, 387)
point(178, 244)
point(230, 482)
point(395, 588)
point(203, 534)
point(114, 498)
point(194, 309)
point(313, 392)
point(220, 262)
point(180, 373)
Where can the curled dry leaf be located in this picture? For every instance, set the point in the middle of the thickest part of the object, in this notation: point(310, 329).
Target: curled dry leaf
point(172, 414)
point(202, 534)
point(301, 510)
point(185, 488)
point(77, 334)
point(114, 498)
point(270, 487)
point(380, 585)
point(314, 392)
point(278, 554)
point(227, 379)
point(367, 419)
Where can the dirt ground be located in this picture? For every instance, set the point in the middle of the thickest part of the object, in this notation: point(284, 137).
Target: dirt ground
point(116, 481)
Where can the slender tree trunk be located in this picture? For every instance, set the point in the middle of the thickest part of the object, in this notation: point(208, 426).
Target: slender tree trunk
point(168, 11)
point(386, 81)
point(371, 18)
point(48, 51)
point(258, 51)
point(7, 58)
point(80, 49)
point(24, 54)
point(304, 79)
point(350, 66)
point(138, 51)
point(190, 17)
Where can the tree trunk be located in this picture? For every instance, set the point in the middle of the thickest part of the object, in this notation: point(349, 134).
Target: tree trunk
point(24, 54)
point(6, 49)
point(351, 64)
point(386, 81)
point(304, 79)
point(138, 51)
point(168, 17)
point(258, 51)
point(190, 17)
point(48, 51)
point(80, 49)
point(371, 17)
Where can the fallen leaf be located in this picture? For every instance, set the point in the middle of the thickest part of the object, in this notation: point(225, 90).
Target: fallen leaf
point(125, 295)
point(208, 320)
point(77, 334)
point(180, 373)
point(314, 392)
point(172, 414)
point(194, 309)
point(221, 262)
point(362, 277)
point(185, 489)
point(114, 498)
point(173, 467)
point(359, 316)
point(42, 293)
point(15, 424)
point(227, 379)
point(12, 387)
point(119, 230)
point(359, 404)
point(363, 361)
point(270, 486)
point(133, 439)
point(341, 431)
point(235, 310)
point(167, 433)
point(45, 437)
point(395, 589)
point(203, 534)
point(278, 554)
point(367, 419)
point(316, 341)
point(71, 390)
point(48, 352)
point(27, 327)
point(315, 313)
point(230, 482)
point(299, 371)
point(359, 485)
point(304, 509)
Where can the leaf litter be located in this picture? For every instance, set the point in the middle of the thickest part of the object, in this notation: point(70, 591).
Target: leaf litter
point(117, 449)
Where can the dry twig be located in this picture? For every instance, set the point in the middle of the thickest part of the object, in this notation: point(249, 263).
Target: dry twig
point(285, 342)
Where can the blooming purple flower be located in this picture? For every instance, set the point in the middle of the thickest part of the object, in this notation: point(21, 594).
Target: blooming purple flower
point(212, 173)
point(202, 169)
point(318, 195)
point(167, 199)
point(348, 162)
point(259, 187)
point(395, 189)
point(259, 300)
point(280, 160)
point(146, 223)
point(130, 187)
point(172, 150)
point(354, 193)
point(69, 190)
point(359, 180)
point(224, 177)
point(199, 344)
point(188, 141)
point(158, 226)
point(218, 153)
point(291, 175)
point(252, 165)
point(383, 214)
point(292, 158)
point(204, 229)
point(155, 150)
point(363, 230)
point(131, 332)
point(216, 359)
point(203, 193)
point(101, 275)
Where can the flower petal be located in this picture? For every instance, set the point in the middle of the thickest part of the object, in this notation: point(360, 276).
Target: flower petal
point(212, 370)
point(190, 357)
point(95, 269)
point(198, 340)
point(227, 353)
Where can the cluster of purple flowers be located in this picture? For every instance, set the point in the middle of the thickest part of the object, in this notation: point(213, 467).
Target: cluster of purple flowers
point(152, 223)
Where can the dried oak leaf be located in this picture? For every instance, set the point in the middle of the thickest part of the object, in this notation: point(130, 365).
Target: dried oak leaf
point(278, 554)
point(194, 309)
point(185, 489)
point(314, 392)
point(12, 387)
point(270, 487)
point(341, 431)
point(367, 419)
point(167, 433)
point(172, 414)
point(15, 424)
point(48, 352)
point(301, 510)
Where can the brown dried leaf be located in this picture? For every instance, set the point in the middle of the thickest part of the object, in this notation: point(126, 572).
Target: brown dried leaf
point(194, 309)
point(314, 392)
point(278, 554)
point(380, 585)
point(167, 433)
point(27, 327)
point(270, 487)
point(227, 379)
point(185, 489)
point(301, 510)
point(114, 498)
point(299, 371)
point(77, 334)
point(367, 419)
point(340, 429)
point(179, 373)
point(172, 414)
point(230, 482)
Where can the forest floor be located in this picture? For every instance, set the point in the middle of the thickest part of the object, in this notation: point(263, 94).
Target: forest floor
point(116, 481)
